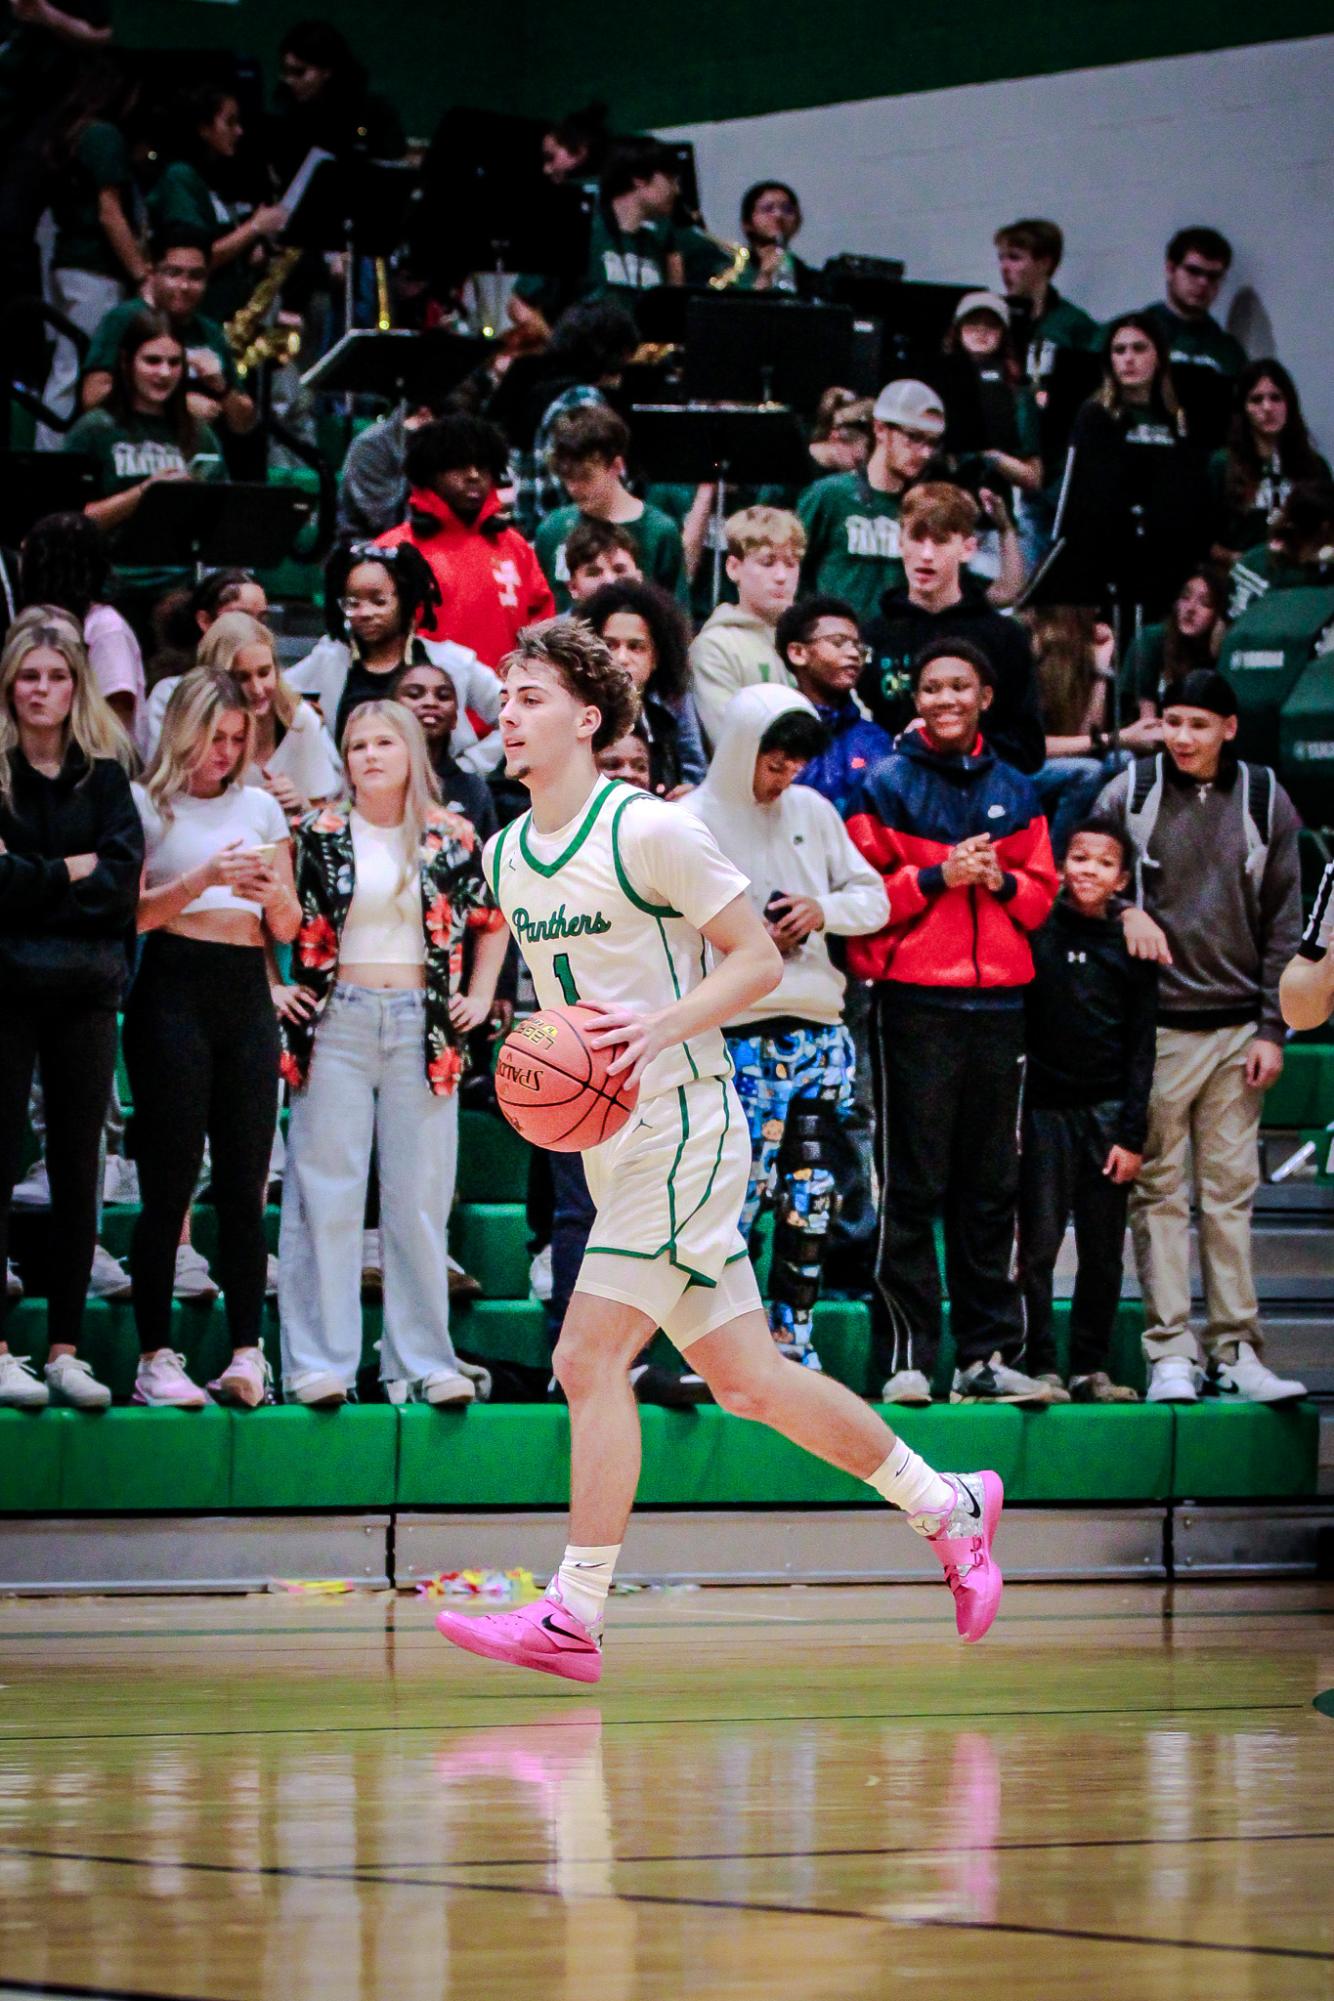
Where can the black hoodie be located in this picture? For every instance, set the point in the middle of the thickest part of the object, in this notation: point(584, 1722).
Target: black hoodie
point(61, 939)
point(1012, 725)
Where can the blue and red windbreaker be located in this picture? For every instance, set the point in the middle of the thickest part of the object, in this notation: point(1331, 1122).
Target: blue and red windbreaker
point(908, 814)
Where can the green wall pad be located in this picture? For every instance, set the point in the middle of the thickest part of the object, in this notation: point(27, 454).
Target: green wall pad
point(159, 1461)
point(1234, 1452)
point(30, 1447)
point(291, 1457)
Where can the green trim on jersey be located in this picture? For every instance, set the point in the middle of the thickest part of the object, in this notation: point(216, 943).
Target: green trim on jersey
point(582, 833)
point(649, 909)
point(668, 1250)
point(718, 1157)
point(495, 861)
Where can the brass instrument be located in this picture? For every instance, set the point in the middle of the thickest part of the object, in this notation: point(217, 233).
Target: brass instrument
point(250, 336)
point(384, 318)
point(740, 261)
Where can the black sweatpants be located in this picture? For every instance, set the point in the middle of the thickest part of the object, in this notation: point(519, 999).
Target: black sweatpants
point(75, 1045)
point(949, 1085)
point(1061, 1176)
point(201, 1047)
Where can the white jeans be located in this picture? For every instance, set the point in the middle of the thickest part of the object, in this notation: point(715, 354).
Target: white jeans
point(367, 1082)
point(86, 297)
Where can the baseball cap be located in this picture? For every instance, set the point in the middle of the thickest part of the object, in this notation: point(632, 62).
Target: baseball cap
point(982, 302)
point(914, 405)
point(1203, 688)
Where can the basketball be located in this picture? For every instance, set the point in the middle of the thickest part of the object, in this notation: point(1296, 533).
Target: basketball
point(552, 1085)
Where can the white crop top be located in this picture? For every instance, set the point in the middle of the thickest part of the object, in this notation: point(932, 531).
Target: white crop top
point(383, 926)
point(196, 831)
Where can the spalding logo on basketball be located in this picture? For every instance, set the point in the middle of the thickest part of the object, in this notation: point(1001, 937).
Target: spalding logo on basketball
point(552, 1085)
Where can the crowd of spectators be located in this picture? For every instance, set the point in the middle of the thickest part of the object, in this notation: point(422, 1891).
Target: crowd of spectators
point(1034, 909)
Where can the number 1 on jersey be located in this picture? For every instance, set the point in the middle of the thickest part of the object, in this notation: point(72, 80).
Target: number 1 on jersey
point(560, 966)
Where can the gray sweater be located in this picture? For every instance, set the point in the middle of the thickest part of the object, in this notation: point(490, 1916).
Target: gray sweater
point(1230, 935)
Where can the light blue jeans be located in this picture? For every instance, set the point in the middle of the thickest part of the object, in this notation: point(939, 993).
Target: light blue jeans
point(367, 1081)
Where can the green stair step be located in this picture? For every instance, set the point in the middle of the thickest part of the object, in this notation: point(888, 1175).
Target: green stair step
point(490, 1240)
point(493, 1160)
point(1304, 1093)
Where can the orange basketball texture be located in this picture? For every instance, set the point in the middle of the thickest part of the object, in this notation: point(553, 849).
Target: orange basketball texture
point(552, 1085)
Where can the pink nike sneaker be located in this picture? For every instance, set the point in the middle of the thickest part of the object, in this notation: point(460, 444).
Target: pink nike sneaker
point(962, 1540)
point(543, 1635)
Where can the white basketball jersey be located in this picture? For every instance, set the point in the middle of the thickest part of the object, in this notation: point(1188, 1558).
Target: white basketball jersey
point(609, 908)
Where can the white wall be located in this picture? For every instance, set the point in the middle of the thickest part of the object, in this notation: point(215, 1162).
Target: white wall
point(1240, 138)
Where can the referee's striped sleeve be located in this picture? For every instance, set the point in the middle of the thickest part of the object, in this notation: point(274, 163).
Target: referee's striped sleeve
point(1319, 932)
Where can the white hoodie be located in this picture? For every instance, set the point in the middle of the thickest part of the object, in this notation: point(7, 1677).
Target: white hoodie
point(798, 846)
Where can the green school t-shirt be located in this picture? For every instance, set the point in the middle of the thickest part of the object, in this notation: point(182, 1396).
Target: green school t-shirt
point(125, 454)
point(1260, 570)
point(1197, 343)
point(661, 557)
point(628, 260)
point(852, 541)
point(183, 195)
point(1063, 325)
point(101, 160)
point(195, 332)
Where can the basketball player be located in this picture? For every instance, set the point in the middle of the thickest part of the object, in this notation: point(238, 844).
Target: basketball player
point(613, 896)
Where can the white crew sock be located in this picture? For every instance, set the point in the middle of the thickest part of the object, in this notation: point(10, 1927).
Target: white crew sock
point(584, 1577)
point(907, 1482)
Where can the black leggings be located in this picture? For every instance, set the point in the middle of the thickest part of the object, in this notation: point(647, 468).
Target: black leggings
point(201, 1047)
point(75, 1045)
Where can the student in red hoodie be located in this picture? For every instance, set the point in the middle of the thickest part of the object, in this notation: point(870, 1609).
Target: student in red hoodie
point(491, 584)
point(959, 838)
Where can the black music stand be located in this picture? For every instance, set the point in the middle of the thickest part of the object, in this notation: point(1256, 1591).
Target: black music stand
point(690, 443)
point(179, 524)
point(398, 366)
point(356, 206)
point(34, 484)
point(757, 348)
point(487, 205)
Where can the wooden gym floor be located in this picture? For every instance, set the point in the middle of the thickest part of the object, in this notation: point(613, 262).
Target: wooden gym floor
point(1125, 1791)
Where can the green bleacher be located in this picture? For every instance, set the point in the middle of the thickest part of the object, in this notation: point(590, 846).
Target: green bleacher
point(515, 1454)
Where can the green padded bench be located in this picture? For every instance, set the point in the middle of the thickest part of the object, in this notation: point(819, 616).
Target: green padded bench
point(515, 1456)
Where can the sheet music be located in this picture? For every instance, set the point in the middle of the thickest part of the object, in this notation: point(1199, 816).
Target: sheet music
point(302, 178)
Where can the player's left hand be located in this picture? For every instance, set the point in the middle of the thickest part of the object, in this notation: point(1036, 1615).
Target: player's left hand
point(801, 916)
point(1264, 1063)
point(642, 1037)
point(1121, 1165)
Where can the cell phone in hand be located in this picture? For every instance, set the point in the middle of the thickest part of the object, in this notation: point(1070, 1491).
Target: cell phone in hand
point(264, 853)
point(775, 910)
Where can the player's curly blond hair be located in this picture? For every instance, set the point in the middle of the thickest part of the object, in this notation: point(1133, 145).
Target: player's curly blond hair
point(583, 660)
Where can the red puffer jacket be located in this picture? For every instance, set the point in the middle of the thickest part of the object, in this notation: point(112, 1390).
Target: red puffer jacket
point(909, 813)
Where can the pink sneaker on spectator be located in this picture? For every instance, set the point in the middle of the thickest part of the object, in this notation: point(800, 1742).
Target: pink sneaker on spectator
point(543, 1635)
point(962, 1540)
point(162, 1383)
point(247, 1380)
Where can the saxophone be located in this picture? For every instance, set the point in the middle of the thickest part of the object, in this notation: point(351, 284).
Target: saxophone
point(250, 336)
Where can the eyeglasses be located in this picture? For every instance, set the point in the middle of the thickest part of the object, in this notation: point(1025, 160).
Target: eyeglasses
point(348, 605)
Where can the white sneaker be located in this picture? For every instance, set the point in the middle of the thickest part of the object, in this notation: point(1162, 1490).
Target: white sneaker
point(13, 1283)
point(161, 1382)
point(120, 1181)
point(994, 1381)
point(247, 1380)
point(1172, 1380)
point(19, 1386)
point(479, 1377)
point(271, 1277)
point(75, 1384)
point(446, 1386)
point(539, 1274)
point(314, 1386)
point(1250, 1378)
point(906, 1386)
point(193, 1278)
point(108, 1278)
point(34, 1191)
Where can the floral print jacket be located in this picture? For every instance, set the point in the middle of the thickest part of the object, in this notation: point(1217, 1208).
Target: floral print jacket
point(454, 898)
